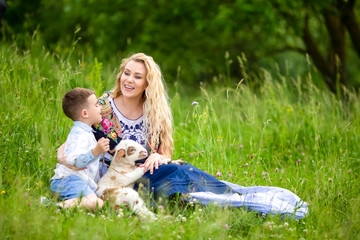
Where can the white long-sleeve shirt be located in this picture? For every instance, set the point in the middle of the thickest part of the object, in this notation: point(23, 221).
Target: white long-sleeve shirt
point(78, 148)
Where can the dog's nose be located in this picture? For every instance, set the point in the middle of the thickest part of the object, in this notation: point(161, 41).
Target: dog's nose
point(142, 154)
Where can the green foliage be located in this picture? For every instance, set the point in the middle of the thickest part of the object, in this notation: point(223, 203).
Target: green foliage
point(253, 136)
point(193, 36)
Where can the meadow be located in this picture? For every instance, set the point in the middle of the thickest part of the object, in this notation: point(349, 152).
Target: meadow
point(283, 132)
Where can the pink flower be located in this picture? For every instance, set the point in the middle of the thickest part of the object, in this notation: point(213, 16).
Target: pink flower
point(218, 174)
point(246, 164)
point(226, 226)
point(106, 124)
point(298, 160)
point(195, 103)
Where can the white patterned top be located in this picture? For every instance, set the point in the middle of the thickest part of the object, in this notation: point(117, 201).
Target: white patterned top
point(131, 129)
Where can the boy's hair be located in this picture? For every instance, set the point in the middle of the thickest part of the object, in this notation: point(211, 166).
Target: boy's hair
point(74, 101)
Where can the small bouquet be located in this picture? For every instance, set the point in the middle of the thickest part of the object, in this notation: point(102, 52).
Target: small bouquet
point(106, 125)
point(106, 128)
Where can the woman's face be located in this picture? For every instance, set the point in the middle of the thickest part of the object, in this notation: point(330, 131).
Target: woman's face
point(133, 80)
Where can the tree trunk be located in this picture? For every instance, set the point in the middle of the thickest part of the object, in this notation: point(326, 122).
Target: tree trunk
point(346, 9)
point(336, 31)
point(318, 59)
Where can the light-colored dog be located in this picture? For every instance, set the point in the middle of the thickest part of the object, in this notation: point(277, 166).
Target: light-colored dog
point(118, 182)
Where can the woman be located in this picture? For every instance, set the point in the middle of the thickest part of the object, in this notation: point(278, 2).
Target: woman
point(138, 109)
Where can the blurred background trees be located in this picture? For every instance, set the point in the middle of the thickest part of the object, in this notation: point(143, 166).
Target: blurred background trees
point(204, 41)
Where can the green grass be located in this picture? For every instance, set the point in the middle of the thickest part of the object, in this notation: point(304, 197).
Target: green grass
point(256, 135)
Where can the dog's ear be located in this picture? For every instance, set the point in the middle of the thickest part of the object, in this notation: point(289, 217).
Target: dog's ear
point(119, 154)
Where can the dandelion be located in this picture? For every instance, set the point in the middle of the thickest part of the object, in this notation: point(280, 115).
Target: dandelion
point(330, 179)
point(3, 192)
point(226, 226)
point(195, 103)
point(39, 184)
point(183, 219)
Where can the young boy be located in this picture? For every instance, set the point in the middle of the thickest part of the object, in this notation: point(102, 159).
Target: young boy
point(82, 151)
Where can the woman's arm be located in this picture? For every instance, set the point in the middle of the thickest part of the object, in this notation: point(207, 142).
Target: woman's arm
point(62, 159)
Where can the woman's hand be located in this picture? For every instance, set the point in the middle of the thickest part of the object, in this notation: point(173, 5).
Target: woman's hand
point(62, 159)
point(152, 162)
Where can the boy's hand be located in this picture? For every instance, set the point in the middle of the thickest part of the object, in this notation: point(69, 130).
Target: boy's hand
point(102, 146)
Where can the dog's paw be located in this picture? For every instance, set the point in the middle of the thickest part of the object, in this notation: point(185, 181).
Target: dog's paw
point(178, 162)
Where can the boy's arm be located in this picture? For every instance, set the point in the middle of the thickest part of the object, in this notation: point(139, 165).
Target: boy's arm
point(85, 158)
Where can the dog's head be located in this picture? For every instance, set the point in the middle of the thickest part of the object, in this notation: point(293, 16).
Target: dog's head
point(128, 151)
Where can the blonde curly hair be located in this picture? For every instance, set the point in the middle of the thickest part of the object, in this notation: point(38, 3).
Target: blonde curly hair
point(157, 112)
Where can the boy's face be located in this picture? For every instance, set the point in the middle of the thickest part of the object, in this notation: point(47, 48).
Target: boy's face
point(93, 110)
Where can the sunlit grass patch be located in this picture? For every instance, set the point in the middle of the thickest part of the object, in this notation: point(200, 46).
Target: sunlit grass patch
point(287, 133)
